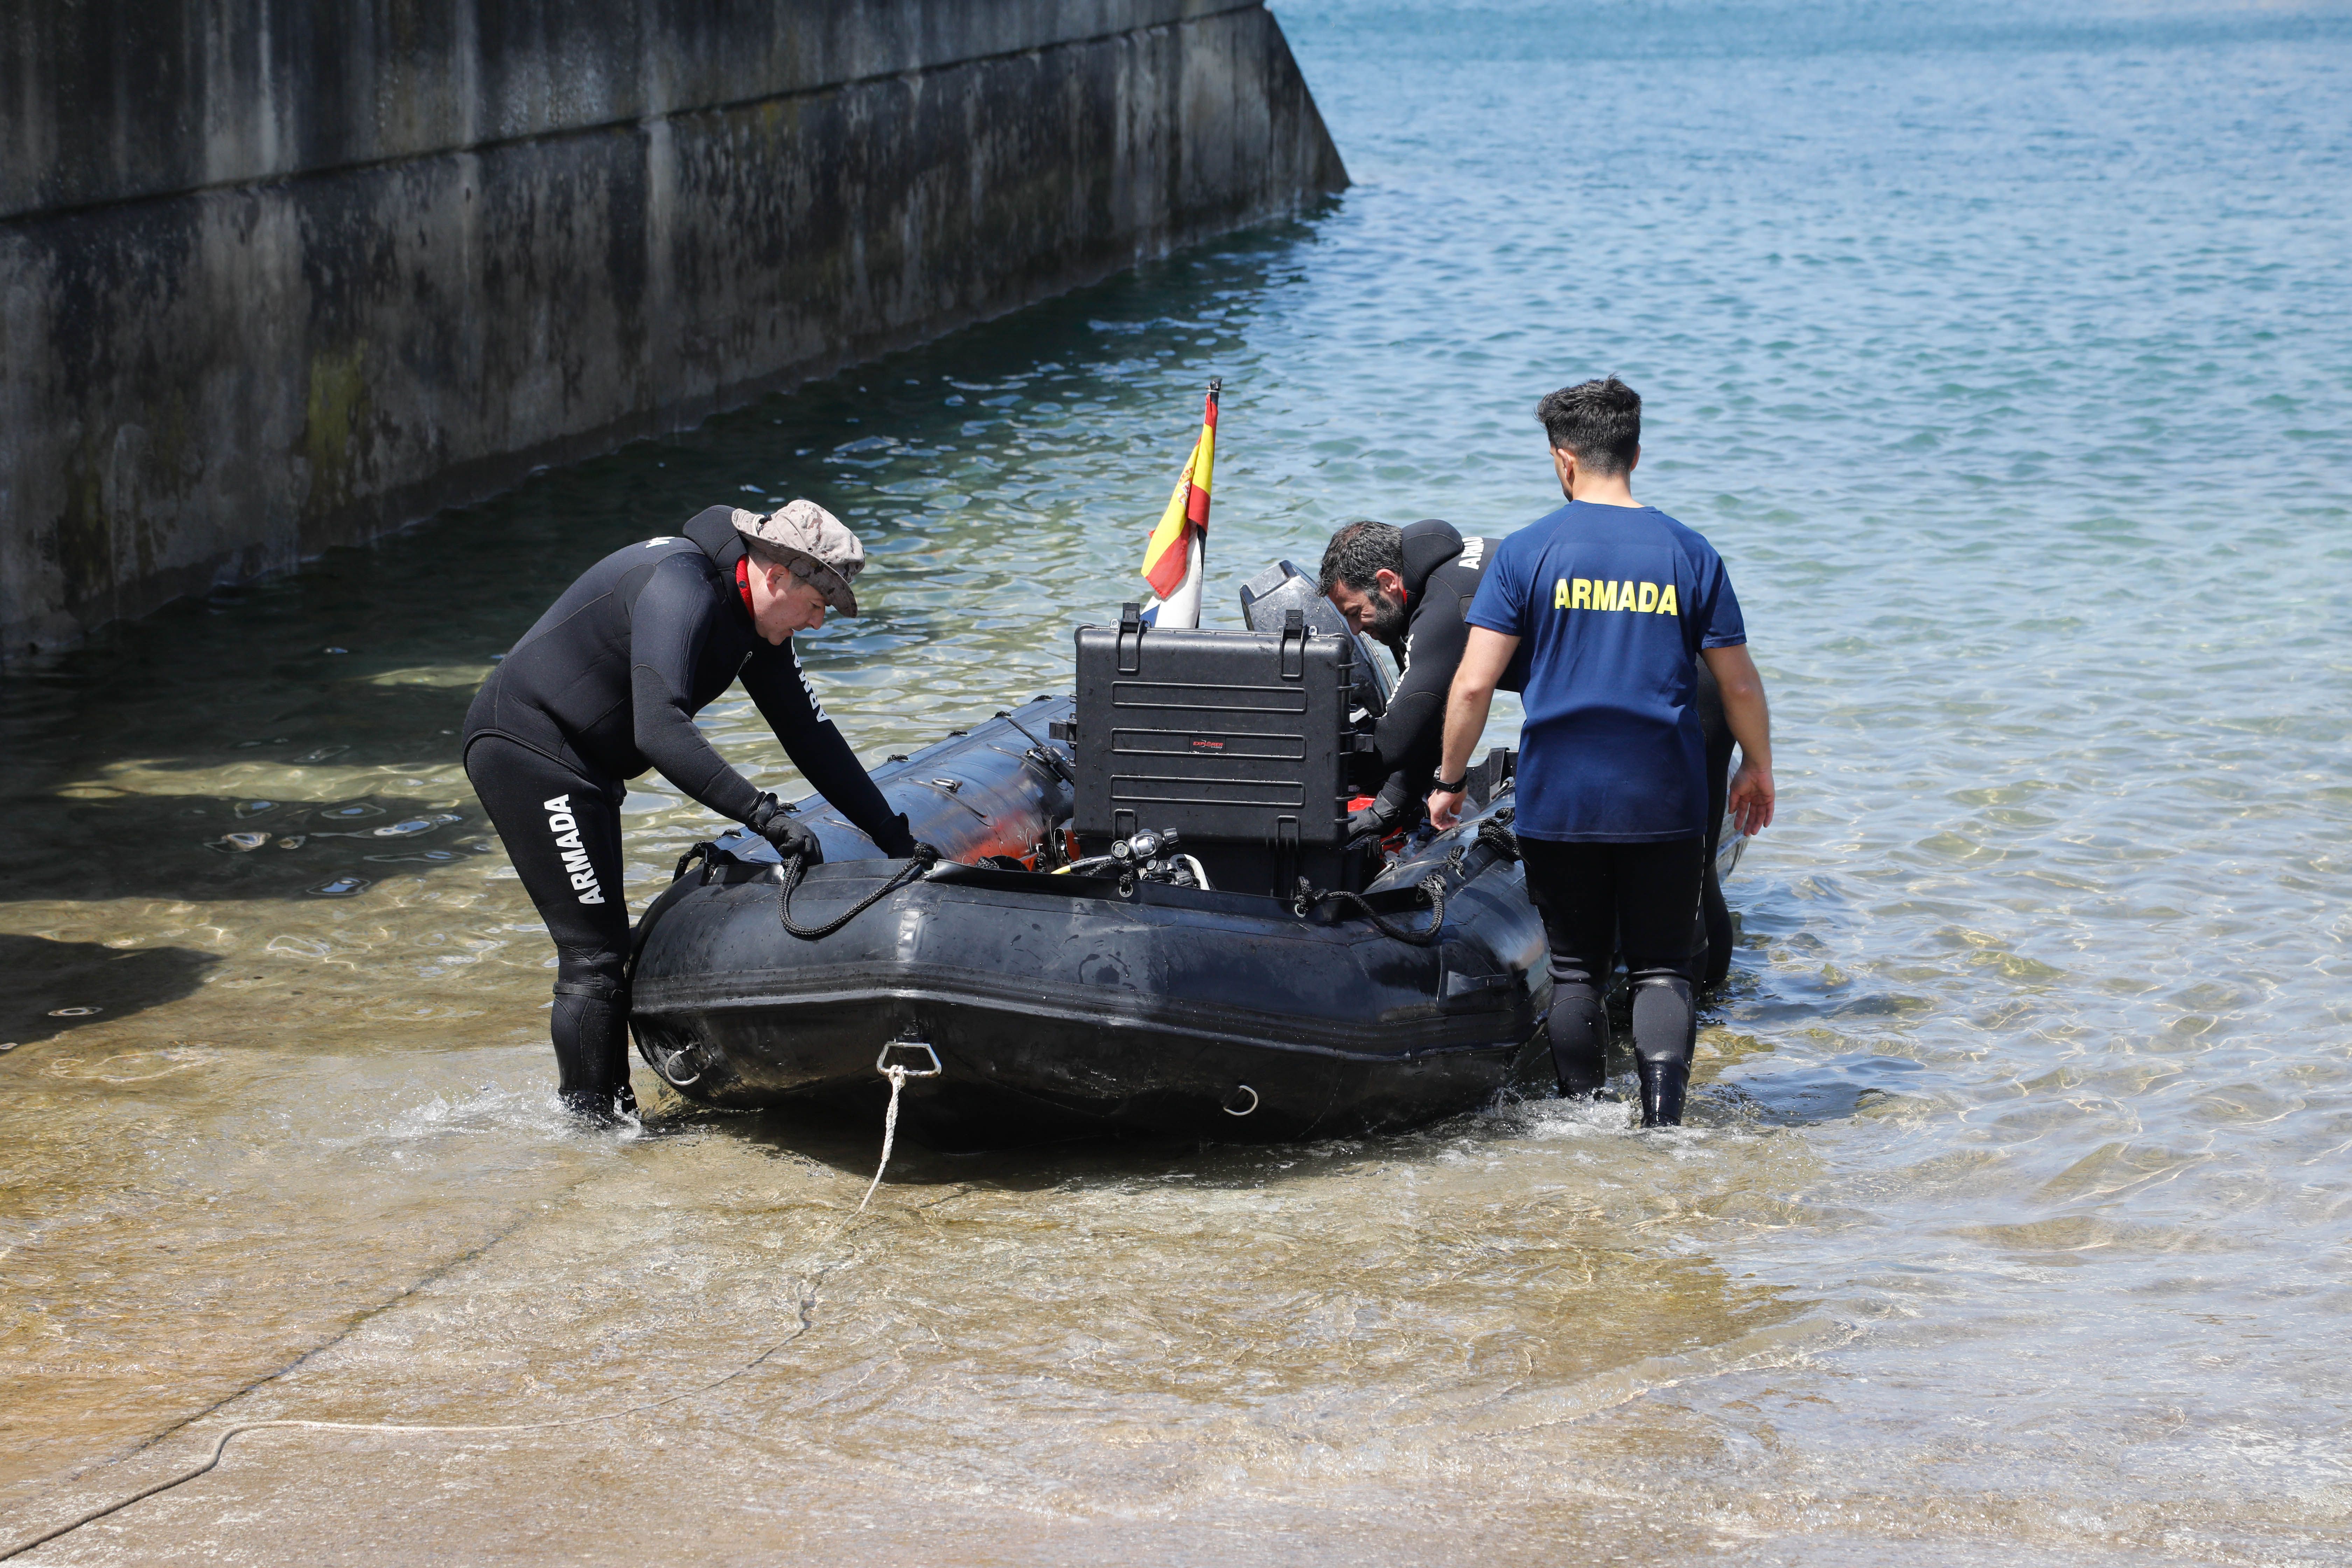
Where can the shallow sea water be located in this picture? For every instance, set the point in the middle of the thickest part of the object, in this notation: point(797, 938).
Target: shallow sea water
point(2006, 353)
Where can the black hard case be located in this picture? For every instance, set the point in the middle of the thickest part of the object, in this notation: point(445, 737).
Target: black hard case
point(1237, 740)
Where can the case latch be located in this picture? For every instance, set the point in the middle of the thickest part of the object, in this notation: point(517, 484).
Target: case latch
point(1130, 625)
point(1286, 846)
point(1294, 632)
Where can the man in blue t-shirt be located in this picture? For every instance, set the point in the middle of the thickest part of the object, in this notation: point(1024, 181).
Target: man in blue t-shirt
point(1617, 603)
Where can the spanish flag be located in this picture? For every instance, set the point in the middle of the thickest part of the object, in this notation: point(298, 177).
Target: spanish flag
point(1172, 561)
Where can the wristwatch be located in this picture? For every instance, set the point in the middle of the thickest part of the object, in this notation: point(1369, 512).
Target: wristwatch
point(1456, 787)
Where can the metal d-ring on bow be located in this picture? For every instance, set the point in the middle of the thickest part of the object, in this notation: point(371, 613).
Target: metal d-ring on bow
point(795, 868)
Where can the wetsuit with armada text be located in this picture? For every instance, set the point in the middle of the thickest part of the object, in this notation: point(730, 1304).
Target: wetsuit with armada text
point(604, 688)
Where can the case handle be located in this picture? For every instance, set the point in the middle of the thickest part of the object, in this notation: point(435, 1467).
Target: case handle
point(1294, 624)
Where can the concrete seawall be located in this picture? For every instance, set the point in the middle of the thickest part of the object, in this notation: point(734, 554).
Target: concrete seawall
point(291, 278)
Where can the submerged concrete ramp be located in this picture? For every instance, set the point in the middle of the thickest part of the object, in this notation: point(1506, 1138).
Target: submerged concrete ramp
point(282, 276)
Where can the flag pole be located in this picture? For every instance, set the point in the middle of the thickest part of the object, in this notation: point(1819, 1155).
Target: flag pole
point(1198, 568)
point(1185, 525)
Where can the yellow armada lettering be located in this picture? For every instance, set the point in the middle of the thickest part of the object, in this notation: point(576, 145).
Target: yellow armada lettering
point(1598, 594)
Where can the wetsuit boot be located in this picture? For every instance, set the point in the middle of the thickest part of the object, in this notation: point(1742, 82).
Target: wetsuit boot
point(1579, 1039)
point(590, 1029)
point(1578, 1026)
point(1665, 1033)
point(1661, 1093)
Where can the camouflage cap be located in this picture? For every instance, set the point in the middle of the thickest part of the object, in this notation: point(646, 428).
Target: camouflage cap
point(813, 543)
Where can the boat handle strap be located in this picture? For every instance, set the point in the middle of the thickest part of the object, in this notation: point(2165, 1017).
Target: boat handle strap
point(905, 876)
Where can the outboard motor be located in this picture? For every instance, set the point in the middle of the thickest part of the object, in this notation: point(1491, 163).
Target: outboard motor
point(1282, 587)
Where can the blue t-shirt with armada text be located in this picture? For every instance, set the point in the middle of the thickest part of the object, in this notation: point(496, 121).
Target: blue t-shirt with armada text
point(1613, 606)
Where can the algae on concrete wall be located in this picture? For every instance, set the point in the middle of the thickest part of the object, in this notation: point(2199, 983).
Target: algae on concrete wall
point(291, 278)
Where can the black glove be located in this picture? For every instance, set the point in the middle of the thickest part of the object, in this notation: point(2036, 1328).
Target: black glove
point(1372, 821)
point(775, 823)
point(897, 841)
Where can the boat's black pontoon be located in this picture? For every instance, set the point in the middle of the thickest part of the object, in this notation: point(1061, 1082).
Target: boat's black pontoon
point(1147, 918)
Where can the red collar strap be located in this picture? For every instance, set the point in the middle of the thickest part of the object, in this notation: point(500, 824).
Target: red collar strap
point(743, 583)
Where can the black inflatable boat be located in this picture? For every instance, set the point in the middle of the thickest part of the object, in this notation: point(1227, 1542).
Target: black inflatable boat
point(1147, 918)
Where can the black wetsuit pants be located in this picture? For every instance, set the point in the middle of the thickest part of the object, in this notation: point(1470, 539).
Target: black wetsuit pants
point(1594, 897)
point(562, 831)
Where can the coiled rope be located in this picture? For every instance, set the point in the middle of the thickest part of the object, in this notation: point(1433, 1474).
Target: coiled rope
point(1432, 885)
point(1496, 834)
point(806, 1320)
point(905, 876)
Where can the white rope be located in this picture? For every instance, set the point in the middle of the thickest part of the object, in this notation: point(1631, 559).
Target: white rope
point(897, 1077)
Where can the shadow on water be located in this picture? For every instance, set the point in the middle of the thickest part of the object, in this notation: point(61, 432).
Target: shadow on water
point(366, 659)
point(208, 847)
point(1798, 1097)
point(53, 986)
point(847, 1140)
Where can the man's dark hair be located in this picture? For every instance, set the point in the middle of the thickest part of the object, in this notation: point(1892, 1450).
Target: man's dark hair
point(1599, 421)
point(1358, 551)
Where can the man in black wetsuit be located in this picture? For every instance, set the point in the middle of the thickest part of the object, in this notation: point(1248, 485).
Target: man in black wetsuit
point(607, 685)
point(1408, 587)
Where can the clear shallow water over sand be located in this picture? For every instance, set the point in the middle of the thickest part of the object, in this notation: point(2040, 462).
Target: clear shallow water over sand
point(2007, 353)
